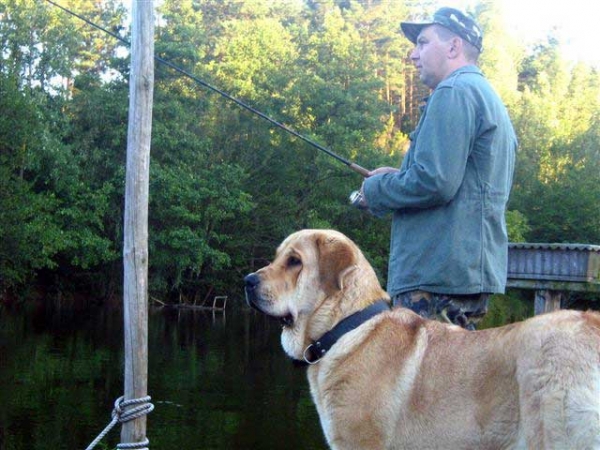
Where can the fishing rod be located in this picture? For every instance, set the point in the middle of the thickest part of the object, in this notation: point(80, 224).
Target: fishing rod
point(353, 166)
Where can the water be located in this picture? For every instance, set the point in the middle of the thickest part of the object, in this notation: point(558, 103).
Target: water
point(218, 381)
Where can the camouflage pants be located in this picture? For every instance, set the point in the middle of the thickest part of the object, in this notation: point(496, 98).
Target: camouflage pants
point(463, 310)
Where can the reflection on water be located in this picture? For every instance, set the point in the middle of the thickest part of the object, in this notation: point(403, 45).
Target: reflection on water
point(217, 381)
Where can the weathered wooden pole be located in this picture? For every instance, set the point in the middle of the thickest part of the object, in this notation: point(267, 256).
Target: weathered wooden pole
point(135, 246)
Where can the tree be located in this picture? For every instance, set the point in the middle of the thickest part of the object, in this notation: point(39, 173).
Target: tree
point(29, 233)
point(226, 185)
point(557, 166)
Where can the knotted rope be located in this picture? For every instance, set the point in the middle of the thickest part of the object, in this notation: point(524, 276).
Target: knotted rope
point(121, 415)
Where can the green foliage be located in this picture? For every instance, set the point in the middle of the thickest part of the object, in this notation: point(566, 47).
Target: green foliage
point(557, 177)
point(29, 234)
point(190, 209)
point(227, 186)
point(517, 226)
point(504, 309)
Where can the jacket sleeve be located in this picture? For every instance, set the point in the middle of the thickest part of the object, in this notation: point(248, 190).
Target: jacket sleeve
point(437, 158)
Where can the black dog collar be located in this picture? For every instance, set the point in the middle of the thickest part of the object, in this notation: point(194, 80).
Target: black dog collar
point(315, 351)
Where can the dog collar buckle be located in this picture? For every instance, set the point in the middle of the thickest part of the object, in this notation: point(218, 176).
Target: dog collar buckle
point(308, 352)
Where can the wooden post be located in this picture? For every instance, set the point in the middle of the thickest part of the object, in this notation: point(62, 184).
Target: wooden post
point(547, 300)
point(135, 246)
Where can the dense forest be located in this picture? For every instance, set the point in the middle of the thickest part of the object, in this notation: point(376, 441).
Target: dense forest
point(226, 186)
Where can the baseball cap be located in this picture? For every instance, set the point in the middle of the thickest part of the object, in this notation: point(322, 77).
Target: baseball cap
point(449, 18)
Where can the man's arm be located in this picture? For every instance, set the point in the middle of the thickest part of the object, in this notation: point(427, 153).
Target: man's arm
point(438, 160)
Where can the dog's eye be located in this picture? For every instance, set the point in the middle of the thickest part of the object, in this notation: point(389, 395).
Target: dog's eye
point(293, 261)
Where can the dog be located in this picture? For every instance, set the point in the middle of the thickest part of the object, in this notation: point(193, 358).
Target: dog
point(390, 379)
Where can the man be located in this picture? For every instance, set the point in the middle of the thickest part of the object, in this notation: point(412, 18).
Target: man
point(449, 244)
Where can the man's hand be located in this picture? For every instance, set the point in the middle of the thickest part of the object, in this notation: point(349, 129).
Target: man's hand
point(357, 198)
point(382, 170)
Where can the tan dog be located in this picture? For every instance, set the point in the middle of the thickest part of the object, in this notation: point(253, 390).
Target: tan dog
point(398, 381)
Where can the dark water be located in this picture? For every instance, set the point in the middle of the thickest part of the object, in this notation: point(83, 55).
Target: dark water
point(217, 381)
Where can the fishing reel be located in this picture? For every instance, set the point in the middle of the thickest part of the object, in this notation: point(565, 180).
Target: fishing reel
point(357, 200)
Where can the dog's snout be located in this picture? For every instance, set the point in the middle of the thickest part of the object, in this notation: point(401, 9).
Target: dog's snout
point(251, 281)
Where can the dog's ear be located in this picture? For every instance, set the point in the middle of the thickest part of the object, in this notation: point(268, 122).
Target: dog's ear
point(336, 258)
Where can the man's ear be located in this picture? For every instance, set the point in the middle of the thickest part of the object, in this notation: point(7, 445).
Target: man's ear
point(336, 259)
point(456, 47)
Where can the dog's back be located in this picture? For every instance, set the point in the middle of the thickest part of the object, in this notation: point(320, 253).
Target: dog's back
point(559, 380)
point(534, 385)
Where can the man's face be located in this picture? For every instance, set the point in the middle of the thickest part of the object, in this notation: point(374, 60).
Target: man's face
point(430, 57)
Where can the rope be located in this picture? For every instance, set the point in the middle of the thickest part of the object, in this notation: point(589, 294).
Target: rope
point(120, 415)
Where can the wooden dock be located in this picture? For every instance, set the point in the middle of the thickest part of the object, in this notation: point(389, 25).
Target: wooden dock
point(552, 271)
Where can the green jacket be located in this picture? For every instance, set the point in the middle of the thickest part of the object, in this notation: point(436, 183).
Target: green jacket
point(449, 198)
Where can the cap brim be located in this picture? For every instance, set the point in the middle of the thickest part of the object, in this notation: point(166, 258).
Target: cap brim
point(412, 30)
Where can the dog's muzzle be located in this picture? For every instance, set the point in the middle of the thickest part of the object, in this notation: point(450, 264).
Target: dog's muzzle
point(251, 284)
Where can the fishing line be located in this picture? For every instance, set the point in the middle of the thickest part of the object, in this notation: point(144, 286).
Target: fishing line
point(355, 167)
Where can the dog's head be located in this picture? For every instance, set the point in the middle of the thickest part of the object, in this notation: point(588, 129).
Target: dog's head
point(312, 283)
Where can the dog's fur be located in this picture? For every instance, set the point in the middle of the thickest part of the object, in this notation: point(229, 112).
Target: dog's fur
point(402, 382)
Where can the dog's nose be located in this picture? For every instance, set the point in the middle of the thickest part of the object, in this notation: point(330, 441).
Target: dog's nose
point(251, 280)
